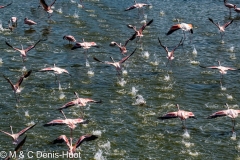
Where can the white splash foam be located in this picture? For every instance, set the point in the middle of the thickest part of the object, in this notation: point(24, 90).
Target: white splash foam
point(186, 134)
point(97, 133)
point(98, 155)
point(59, 10)
point(27, 114)
point(133, 91)
point(139, 100)
point(234, 136)
point(145, 55)
point(167, 78)
point(106, 146)
point(122, 82)
point(194, 51)
point(90, 73)
point(124, 72)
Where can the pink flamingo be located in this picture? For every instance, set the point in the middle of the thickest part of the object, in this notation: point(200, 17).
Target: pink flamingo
point(138, 33)
point(183, 115)
point(46, 7)
point(85, 45)
point(70, 38)
point(232, 113)
point(117, 65)
point(228, 5)
point(122, 48)
point(17, 135)
point(72, 148)
point(23, 52)
point(236, 9)
point(71, 123)
point(16, 87)
point(221, 28)
point(223, 70)
point(170, 54)
point(29, 22)
point(137, 5)
point(5, 5)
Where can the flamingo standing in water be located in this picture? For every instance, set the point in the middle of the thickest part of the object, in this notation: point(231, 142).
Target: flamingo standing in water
point(16, 87)
point(223, 70)
point(23, 52)
point(5, 5)
point(183, 115)
point(46, 7)
point(72, 148)
point(170, 55)
point(221, 28)
point(17, 135)
point(138, 33)
point(228, 5)
point(117, 65)
point(232, 113)
point(71, 123)
point(70, 38)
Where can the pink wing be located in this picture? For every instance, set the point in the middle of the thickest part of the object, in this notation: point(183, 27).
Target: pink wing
point(87, 137)
point(218, 114)
point(25, 130)
point(69, 104)
point(55, 122)
point(61, 139)
point(169, 115)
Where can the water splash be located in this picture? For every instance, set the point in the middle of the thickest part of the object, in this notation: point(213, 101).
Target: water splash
point(124, 72)
point(1, 61)
point(90, 73)
point(1, 27)
point(162, 13)
point(145, 55)
point(143, 22)
point(59, 86)
point(97, 133)
point(186, 134)
point(134, 91)
point(222, 42)
point(231, 49)
point(87, 63)
point(62, 95)
point(195, 62)
point(145, 17)
point(106, 146)
point(27, 114)
point(75, 15)
point(230, 97)
point(187, 144)
point(80, 6)
point(194, 50)
point(167, 77)
point(234, 136)
point(139, 100)
point(98, 155)
point(24, 69)
point(122, 82)
point(59, 10)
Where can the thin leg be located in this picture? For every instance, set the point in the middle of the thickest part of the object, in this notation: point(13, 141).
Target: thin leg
point(183, 123)
point(233, 124)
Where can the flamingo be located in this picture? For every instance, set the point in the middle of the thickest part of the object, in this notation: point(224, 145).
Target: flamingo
point(17, 135)
point(122, 48)
point(5, 5)
point(29, 22)
point(13, 21)
point(16, 87)
point(137, 5)
point(228, 5)
point(221, 28)
point(23, 52)
point(70, 38)
point(223, 70)
point(232, 113)
point(169, 54)
point(56, 70)
point(17, 148)
point(183, 26)
point(71, 123)
point(236, 9)
point(138, 33)
point(46, 7)
point(183, 115)
point(72, 149)
point(85, 45)
point(117, 65)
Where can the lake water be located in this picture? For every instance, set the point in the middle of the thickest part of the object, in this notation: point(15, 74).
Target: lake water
point(126, 121)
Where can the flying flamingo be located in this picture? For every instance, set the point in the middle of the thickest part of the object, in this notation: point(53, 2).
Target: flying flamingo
point(137, 5)
point(223, 70)
point(17, 148)
point(236, 9)
point(183, 115)
point(138, 33)
point(17, 135)
point(170, 55)
point(23, 52)
point(5, 5)
point(56, 70)
point(221, 28)
point(183, 26)
point(85, 45)
point(71, 123)
point(72, 149)
point(46, 7)
point(16, 87)
point(122, 48)
point(228, 5)
point(117, 65)
point(232, 113)
point(29, 22)
point(70, 38)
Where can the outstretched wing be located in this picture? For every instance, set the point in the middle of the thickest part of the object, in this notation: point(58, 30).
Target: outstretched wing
point(69, 104)
point(169, 115)
point(25, 130)
point(62, 139)
point(6, 133)
point(227, 24)
point(178, 45)
point(6, 5)
point(173, 29)
point(210, 19)
point(145, 25)
point(164, 47)
point(22, 77)
point(9, 81)
point(44, 4)
point(125, 58)
point(218, 114)
point(11, 46)
point(31, 47)
point(55, 122)
point(87, 137)
point(98, 60)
